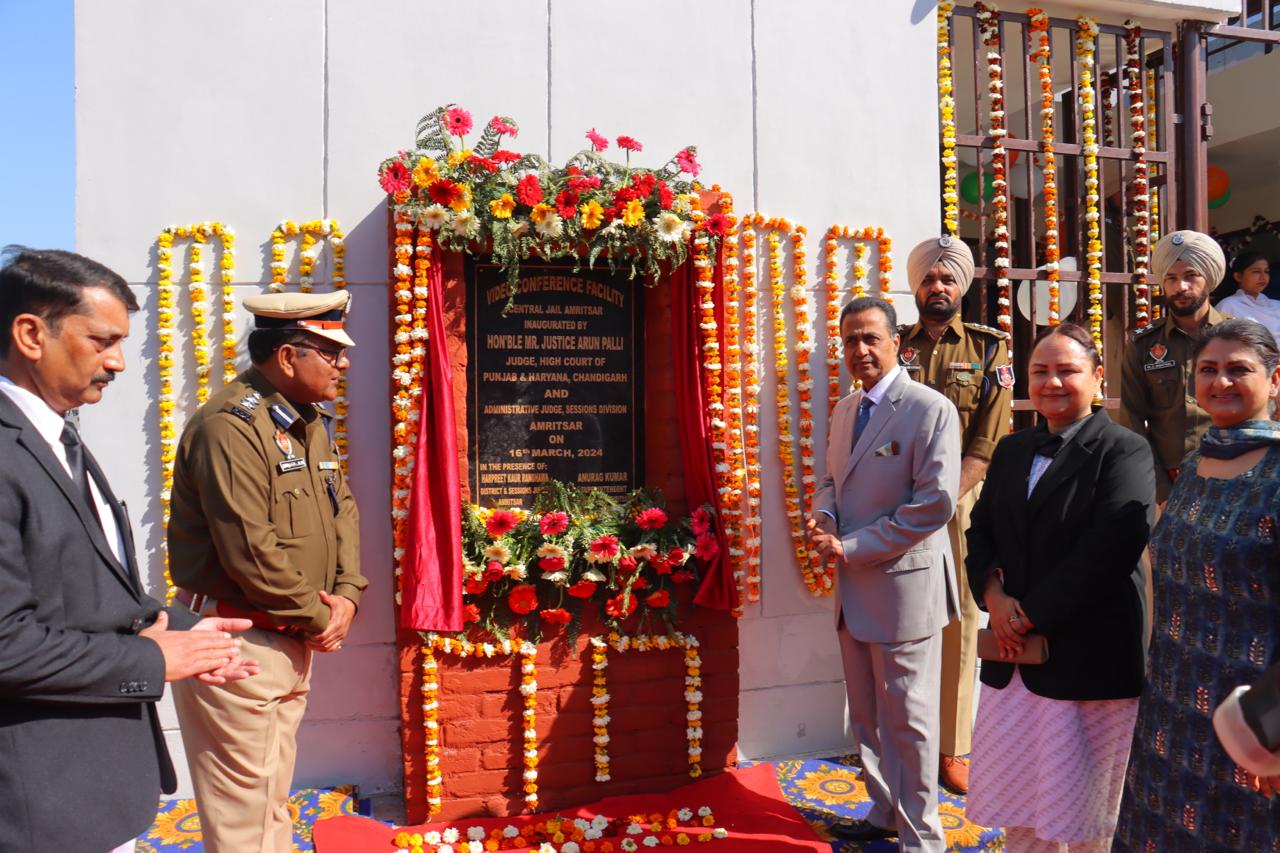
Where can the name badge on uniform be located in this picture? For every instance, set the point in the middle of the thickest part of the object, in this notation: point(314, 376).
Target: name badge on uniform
point(293, 463)
point(1158, 360)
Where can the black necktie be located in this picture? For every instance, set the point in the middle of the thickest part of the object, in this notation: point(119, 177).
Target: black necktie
point(75, 461)
point(1047, 443)
point(864, 415)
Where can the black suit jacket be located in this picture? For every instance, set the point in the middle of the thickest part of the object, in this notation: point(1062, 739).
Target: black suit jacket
point(1071, 554)
point(82, 756)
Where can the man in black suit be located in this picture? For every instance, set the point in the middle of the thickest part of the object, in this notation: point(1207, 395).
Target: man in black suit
point(84, 653)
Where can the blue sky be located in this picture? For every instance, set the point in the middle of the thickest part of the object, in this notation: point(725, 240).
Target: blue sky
point(37, 147)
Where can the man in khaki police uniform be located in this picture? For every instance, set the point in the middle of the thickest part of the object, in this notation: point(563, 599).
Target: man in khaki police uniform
point(1157, 394)
point(969, 365)
point(263, 526)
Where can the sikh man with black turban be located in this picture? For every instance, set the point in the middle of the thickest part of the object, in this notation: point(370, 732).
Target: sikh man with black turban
point(969, 365)
point(1157, 394)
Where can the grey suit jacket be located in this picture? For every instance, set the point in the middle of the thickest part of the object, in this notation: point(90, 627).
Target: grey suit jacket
point(892, 495)
point(82, 757)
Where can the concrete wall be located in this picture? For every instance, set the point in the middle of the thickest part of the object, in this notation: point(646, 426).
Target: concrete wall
point(822, 111)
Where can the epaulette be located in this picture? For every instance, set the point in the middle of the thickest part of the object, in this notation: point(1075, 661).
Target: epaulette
point(245, 408)
point(1137, 333)
point(283, 417)
point(978, 327)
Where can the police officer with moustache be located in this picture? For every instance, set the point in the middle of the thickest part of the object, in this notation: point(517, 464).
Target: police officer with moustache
point(1157, 395)
point(264, 527)
point(969, 365)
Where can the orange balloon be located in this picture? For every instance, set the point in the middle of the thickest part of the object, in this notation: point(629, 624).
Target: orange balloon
point(1219, 182)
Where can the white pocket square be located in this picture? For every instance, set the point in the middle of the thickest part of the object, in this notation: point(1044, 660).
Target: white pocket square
point(890, 449)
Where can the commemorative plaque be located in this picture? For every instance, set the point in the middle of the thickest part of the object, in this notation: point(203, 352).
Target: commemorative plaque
point(555, 386)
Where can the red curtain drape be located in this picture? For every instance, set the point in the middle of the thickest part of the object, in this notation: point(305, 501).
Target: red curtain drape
point(717, 589)
point(431, 583)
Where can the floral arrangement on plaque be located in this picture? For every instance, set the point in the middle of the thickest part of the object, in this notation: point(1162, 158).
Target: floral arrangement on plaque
point(531, 571)
point(485, 198)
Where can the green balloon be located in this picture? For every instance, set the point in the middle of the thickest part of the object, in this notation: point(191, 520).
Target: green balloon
point(1214, 204)
point(969, 187)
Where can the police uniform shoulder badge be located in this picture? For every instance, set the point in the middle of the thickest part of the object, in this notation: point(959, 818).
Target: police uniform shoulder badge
point(907, 358)
point(1004, 376)
point(1157, 353)
point(245, 408)
point(978, 327)
point(1145, 330)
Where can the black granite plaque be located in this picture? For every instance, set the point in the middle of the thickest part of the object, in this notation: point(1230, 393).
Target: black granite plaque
point(554, 391)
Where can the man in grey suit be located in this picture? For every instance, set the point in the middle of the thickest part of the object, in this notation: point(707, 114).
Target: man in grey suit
point(84, 652)
point(893, 476)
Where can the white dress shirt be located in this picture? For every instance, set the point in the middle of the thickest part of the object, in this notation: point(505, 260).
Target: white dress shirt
point(49, 424)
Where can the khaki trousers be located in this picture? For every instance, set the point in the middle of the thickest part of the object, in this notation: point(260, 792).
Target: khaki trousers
point(241, 742)
point(959, 644)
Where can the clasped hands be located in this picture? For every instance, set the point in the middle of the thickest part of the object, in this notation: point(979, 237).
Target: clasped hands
point(824, 536)
point(207, 652)
point(341, 612)
point(1009, 621)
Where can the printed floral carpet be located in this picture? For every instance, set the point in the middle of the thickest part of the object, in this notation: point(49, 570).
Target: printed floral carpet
point(827, 790)
point(177, 826)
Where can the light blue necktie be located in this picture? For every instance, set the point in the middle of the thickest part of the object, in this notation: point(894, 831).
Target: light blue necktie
point(864, 415)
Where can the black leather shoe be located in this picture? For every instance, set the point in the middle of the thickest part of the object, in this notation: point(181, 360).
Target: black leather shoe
point(861, 830)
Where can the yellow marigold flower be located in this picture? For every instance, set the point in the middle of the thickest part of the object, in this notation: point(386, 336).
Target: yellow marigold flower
point(633, 213)
point(457, 158)
point(539, 212)
point(501, 208)
point(463, 201)
point(592, 215)
point(425, 172)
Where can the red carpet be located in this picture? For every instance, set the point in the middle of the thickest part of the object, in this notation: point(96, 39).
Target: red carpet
point(748, 803)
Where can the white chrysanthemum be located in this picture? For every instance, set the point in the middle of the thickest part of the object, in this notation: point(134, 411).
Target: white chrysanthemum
point(497, 551)
point(551, 226)
point(465, 223)
point(669, 226)
point(434, 217)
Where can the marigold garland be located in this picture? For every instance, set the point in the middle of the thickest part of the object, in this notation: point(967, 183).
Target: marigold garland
point(751, 373)
point(313, 232)
point(947, 119)
point(1086, 34)
point(1139, 199)
point(600, 706)
point(1044, 59)
point(989, 26)
point(529, 721)
point(692, 682)
point(431, 727)
point(831, 287)
point(199, 234)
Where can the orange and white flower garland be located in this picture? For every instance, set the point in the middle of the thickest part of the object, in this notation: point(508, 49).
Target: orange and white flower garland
point(1141, 190)
point(600, 706)
point(199, 234)
point(947, 118)
point(735, 453)
point(529, 721)
point(692, 685)
point(858, 275)
point(431, 727)
point(751, 373)
point(1044, 60)
point(313, 232)
point(989, 26)
point(1086, 35)
point(805, 344)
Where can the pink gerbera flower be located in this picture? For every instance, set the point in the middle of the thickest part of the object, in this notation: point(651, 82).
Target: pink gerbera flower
point(395, 178)
point(706, 547)
point(629, 144)
point(598, 142)
point(604, 549)
point(458, 121)
point(687, 160)
point(700, 523)
point(501, 522)
point(503, 127)
point(553, 523)
point(651, 519)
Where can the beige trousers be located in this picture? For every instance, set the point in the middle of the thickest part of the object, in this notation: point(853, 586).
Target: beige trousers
point(959, 644)
point(241, 742)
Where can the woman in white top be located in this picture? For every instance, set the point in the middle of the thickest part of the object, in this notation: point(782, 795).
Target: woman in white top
point(1252, 272)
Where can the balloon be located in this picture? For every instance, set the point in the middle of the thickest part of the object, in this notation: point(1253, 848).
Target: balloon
point(1219, 182)
point(1215, 203)
point(969, 187)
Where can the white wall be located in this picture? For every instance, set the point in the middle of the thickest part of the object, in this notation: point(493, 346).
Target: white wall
point(822, 111)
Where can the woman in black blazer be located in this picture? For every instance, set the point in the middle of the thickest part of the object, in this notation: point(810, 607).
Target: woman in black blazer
point(1055, 548)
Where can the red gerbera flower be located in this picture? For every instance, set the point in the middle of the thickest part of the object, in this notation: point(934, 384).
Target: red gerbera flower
point(716, 223)
point(629, 144)
point(476, 585)
point(444, 192)
point(700, 522)
point(661, 598)
point(553, 523)
point(529, 190)
point(615, 608)
point(640, 583)
point(486, 163)
point(556, 616)
point(523, 599)
point(504, 156)
point(676, 556)
point(395, 178)
point(605, 547)
point(706, 547)
point(458, 121)
point(598, 142)
point(566, 204)
point(627, 565)
point(682, 576)
point(661, 565)
point(493, 571)
point(651, 519)
point(500, 522)
point(583, 589)
point(551, 564)
point(470, 613)
point(665, 196)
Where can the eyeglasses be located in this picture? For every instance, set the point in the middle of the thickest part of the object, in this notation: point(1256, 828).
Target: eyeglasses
point(331, 357)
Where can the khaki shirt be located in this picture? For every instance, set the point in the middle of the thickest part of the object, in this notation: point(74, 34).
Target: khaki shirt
point(969, 365)
point(261, 515)
point(1157, 395)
